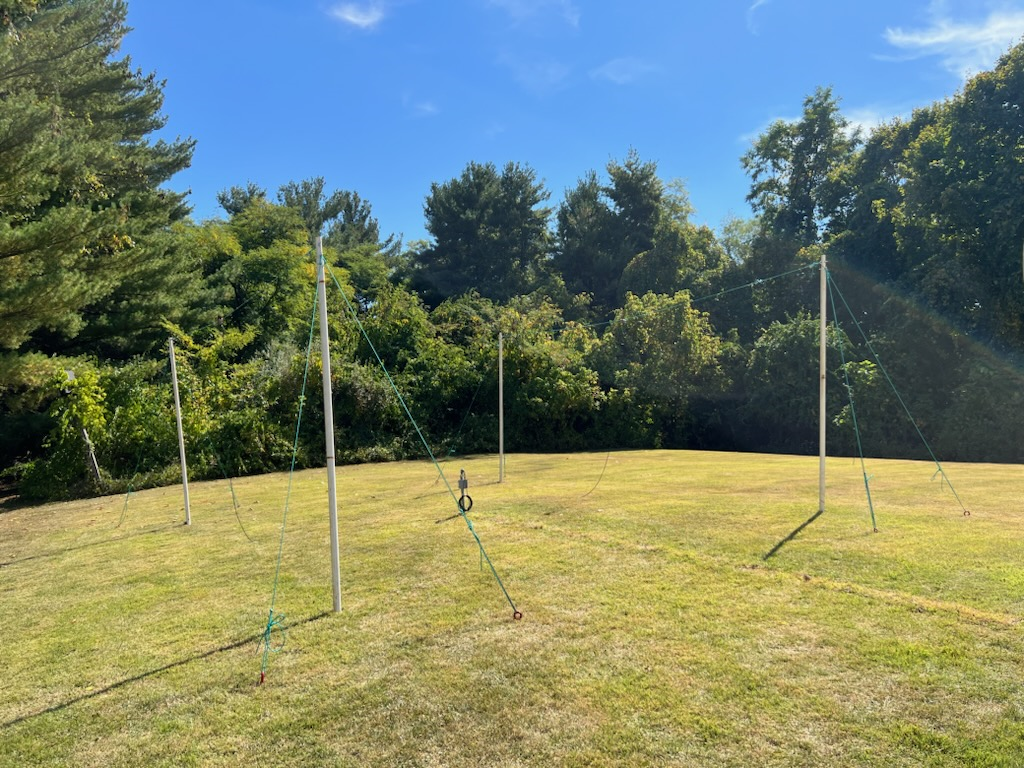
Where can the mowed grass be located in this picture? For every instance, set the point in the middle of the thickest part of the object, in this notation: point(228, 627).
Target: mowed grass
point(670, 617)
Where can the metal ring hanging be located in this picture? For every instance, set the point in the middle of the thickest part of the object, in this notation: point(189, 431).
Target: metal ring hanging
point(465, 502)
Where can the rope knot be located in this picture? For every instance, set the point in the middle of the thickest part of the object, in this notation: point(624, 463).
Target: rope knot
point(274, 624)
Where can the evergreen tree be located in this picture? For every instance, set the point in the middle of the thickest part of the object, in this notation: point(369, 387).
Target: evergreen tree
point(490, 234)
point(602, 228)
point(82, 218)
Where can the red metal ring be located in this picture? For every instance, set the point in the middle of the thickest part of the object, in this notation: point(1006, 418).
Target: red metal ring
point(517, 615)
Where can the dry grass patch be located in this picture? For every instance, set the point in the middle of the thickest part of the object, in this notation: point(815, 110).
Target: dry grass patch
point(671, 617)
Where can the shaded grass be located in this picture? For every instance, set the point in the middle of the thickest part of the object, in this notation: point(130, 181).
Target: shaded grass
point(657, 629)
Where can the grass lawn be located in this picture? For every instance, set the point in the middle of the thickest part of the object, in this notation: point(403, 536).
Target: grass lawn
point(670, 617)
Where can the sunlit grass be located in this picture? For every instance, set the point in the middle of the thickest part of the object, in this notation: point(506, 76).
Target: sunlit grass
point(671, 617)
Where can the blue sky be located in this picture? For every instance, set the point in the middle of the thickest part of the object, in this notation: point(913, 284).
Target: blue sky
point(386, 96)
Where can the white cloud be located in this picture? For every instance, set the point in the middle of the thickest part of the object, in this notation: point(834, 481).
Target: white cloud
point(536, 73)
point(419, 107)
point(751, 26)
point(965, 48)
point(365, 16)
point(425, 109)
point(525, 10)
point(623, 70)
point(494, 129)
point(867, 118)
point(751, 136)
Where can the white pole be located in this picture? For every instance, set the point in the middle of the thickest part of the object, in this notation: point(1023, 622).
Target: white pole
point(501, 407)
point(325, 355)
point(822, 331)
point(181, 433)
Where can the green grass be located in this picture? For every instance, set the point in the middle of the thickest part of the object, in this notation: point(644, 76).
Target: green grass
point(670, 618)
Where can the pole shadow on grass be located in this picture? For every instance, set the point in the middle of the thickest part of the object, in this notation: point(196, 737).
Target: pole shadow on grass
point(66, 550)
point(774, 550)
point(250, 640)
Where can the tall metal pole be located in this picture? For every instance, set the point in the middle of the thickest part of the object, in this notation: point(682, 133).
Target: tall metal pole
point(501, 407)
point(822, 331)
point(181, 433)
point(325, 355)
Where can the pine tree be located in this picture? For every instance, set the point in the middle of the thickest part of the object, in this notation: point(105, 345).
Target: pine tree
point(84, 226)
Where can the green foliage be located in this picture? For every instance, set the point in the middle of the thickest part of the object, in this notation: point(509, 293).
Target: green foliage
point(551, 393)
point(659, 345)
point(736, 236)
point(986, 419)
point(681, 256)
point(793, 169)
point(397, 325)
point(258, 272)
point(603, 347)
point(355, 227)
point(603, 228)
point(140, 434)
point(313, 205)
point(24, 421)
point(637, 196)
point(237, 199)
point(78, 414)
point(490, 234)
point(958, 219)
point(782, 383)
point(661, 351)
point(227, 408)
point(80, 209)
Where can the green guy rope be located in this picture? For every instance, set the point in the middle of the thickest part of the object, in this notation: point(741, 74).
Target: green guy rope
point(131, 487)
point(516, 613)
point(906, 410)
point(853, 409)
point(124, 509)
point(599, 477)
point(275, 621)
point(231, 487)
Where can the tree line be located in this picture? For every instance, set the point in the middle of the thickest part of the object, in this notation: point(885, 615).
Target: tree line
point(626, 325)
